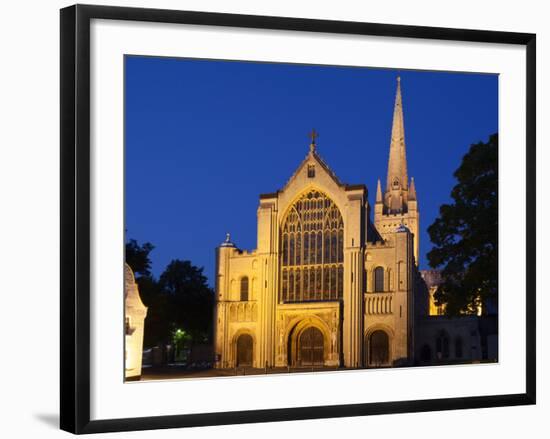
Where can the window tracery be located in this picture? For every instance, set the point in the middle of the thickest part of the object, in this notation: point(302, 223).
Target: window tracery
point(312, 247)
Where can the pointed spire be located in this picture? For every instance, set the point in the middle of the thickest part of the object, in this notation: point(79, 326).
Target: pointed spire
point(412, 190)
point(378, 192)
point(397, 163)
point(397, 183)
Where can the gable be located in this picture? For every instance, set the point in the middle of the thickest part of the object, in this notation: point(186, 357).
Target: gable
point(313, 159)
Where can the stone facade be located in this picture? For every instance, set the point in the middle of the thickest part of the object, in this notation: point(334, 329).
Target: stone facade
point(326, 285)
point(134, 314)
point(441, 339)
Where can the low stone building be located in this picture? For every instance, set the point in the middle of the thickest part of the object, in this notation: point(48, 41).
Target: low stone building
point(441, 339)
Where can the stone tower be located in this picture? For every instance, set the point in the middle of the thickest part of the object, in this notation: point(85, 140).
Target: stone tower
point(398, 205)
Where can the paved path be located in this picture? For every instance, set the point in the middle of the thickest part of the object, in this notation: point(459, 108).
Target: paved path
point(176, 372)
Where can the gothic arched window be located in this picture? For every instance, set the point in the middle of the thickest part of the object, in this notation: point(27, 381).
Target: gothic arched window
point(244, 289)
point(379, 279)
point(312, 250)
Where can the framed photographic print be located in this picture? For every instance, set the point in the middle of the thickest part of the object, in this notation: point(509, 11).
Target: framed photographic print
point(286, 218)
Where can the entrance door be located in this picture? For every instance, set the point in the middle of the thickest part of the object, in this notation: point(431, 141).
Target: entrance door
point(379, 348)
point(311, 347)
point(244, 350)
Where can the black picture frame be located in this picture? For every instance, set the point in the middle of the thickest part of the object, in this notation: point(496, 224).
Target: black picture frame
point(75, 217)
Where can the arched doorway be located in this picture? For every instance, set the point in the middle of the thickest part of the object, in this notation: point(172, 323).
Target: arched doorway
point(379, 348)
point(244, 350)
point(426, 354)
point(311, 347)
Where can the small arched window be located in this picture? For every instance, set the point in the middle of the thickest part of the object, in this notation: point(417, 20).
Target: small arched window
point(244, 289)
point(458, 347)
point(379, 279)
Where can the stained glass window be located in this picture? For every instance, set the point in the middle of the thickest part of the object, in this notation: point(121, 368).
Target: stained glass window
point(312, 250)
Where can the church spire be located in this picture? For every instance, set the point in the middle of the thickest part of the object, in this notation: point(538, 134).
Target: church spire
point(397, 164)
point(397, 179)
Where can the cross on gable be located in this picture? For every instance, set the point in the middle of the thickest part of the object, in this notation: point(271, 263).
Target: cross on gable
point(313, 135)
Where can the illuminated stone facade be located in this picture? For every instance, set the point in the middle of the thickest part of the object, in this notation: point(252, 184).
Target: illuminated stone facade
point(134, 315)
point(327, 285)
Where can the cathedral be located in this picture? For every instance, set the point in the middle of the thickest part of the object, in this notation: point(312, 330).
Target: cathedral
point(331, 284)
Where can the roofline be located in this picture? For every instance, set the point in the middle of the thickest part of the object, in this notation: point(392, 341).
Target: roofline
point(356, 187)
point(269, 196)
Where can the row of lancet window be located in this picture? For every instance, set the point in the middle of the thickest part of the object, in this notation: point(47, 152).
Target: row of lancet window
point(310, 283)
point(325, 282)
point(312, 250)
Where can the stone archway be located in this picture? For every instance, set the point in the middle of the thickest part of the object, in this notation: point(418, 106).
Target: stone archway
point(378, 348)
point(320, 349)
point(311, 347)
point(244, 350)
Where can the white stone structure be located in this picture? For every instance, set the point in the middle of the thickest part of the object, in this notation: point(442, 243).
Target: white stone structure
point(134, 316)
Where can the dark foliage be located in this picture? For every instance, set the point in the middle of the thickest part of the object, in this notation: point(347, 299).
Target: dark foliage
point(137, 257)
point(179, 299)
point(191, 299)
point(466, 232)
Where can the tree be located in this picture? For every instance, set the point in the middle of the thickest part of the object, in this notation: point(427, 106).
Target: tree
point(157, 325)
point(180, 340)
point(137, 257)
point(180, 300)
point(191, 299)
point(466, 232)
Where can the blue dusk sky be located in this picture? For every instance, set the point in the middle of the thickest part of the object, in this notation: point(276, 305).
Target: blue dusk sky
point(204, 138)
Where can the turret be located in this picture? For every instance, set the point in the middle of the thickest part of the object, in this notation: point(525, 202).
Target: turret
point(379, 204)
point(222, 265)
point(412, 201)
